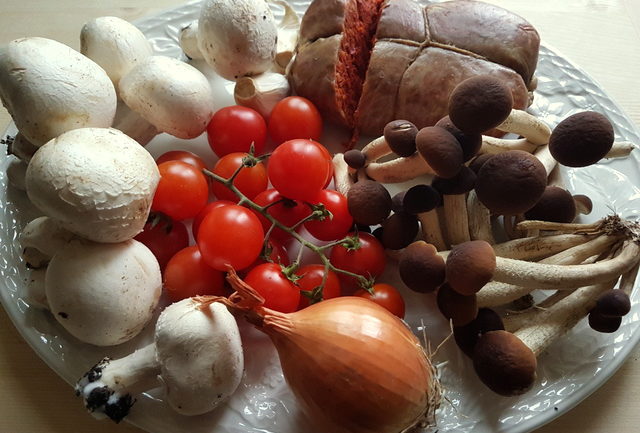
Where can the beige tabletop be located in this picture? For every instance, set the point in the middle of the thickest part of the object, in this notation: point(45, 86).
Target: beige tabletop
point(602, 36)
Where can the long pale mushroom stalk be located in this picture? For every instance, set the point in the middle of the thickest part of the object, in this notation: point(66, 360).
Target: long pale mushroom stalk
point(498, 293)
point(342, 179)
point(399, 169)
point(493, 145)
point(376, 149)
point(479, 218)
point(563, 227)
point(456, 218)
point(522, 123)
point(431, 229)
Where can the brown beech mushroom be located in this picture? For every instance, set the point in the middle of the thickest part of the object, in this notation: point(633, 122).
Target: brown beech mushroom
point(556, 204)
point(470, 266)
point(369, 202)
point(604, 324)
point(460, 309)
point(581, 139)
point(470, 143)
point(355, 159)
point(613, 303)
point(399, 137)
point(440, 150)
point(467, 336)
point(421, 268)
point(453, 192)
point(584, 205)
point(422, 201)
point(399, 230)
point(511, 183)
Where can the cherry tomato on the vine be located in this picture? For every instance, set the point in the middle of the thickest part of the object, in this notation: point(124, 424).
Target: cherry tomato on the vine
point(368, 260)
point(182, 191)
point(279, 292)
point(235, 128)
point(299, 169)
point(386, 296)
point(251, 181)
point(311, 277)
point(295, 117)
point(188, 275)
point(230, 235)
point(184, 156)
point(164, 238)
point(197, 220)
point(336, 226)
point(287, 211)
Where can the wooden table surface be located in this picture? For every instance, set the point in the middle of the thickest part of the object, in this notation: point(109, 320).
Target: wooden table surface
point(602, 36)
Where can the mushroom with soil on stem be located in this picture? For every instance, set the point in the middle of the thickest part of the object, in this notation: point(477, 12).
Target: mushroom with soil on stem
point(95, 182)
point(196, 357)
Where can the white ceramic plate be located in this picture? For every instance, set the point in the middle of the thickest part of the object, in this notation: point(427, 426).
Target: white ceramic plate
point(568, 372)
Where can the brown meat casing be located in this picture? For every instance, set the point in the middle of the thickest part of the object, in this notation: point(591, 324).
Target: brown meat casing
point(420, 55)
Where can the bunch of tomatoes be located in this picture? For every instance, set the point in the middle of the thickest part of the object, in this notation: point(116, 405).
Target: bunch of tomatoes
point(252, 226)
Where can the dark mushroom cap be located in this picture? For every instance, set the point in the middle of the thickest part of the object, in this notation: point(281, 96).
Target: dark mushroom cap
point(420, 198)
point(504, 363)
point(401, 137)
point(397, 202)
point(604, 324)
point(581, 139)
point(470, 143)
point(470, 265)
point(511, 183)
point(399, 230)
point(458, 308)
point(467, 336)
point(355, 158)
point(584, 205)
point(555, 205)
point(461, 183)
point(421, 268)
point(613, 303)
point(369, 202)
point(441, 150)
point(480, 103)
point(479, 161)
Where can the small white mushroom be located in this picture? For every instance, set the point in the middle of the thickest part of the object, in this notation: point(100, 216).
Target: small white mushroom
point(95, 182)
point(189, 41)
point(34, 290)
point(197, 356)
point(49, 89)
point(114, 44)
point(41, 238)
point(173, 96)
point(103, 294)
point(16, 173)
point(262, 92)
point(237, 38)
point(22, 148)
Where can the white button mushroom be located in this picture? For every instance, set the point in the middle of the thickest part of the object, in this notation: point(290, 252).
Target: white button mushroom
point(95, 182)
point(173, 96)
point(189, 41)
point(114, 44)
point(40, 239)
point(103, 294)
point(197, 356)
point(48, 89)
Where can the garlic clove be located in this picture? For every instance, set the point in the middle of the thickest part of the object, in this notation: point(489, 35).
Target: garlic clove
point(288, 30)
point(261, 92)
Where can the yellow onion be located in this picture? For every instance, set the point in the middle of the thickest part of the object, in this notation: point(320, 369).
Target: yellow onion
point(353, 366)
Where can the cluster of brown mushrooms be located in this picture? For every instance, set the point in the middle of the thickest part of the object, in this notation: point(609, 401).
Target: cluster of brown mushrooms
point(473, 189)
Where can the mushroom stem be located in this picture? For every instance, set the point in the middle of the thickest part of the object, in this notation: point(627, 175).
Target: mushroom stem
point(560, 227)
point(522, 123)
point(621, 149)
point(431, 229)
point(399, 169)
point(457, 221)
point(479, 219)
point(376, 149)
point(134, 125)
point(493, 145)
point(517, 320)
point(342, 179)
point(544, 156)
point(538, 247)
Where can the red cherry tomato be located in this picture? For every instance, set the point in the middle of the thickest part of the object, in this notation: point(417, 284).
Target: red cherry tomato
point(197, 220)
point(182, 191)
point(184, 156)
point(234, 129)
point(230, 236)
point(164, 238)
point(295, 117)
point(299, 169)
point(311, 277)
point(188, 275)
point(251, 181)
point(279, 292)
point(368, 260)
point(288, 212)
point(386, 296)
point(336, 226)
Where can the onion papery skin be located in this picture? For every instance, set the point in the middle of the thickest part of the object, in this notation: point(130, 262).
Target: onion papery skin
point(353, 366)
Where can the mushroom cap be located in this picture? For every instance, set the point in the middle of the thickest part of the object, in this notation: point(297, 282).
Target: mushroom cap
point(421, 198)
point(441, 150)
point(46, 237)
point(189, 41)
point(461, 183)
point(173, 96)
point(114, 44)
point(400, 135)
point(460, 309)
point(604, 324)
point(613, 303)
point(200, 355)
point(369, 202)
point(480, 103)
point(421, 268)
point(397, 202)
point(49, 88)
point(470, 265)
point(479, 161)
point(555, 205)
point(355, 158)
point(504, 363)
point(467, 336)
point(95, 182)
point(511, 183)
point(470, 143)
point(399, 230)
point(103, 294)
point(581, 139)
point(584, 205)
